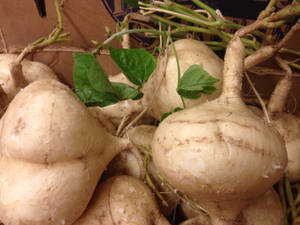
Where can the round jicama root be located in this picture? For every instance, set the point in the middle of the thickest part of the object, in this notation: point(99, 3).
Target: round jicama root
point(53, 152)
point(31, 71)
point(189, 52)
point(122, 200)
point(208, 152)
point(265, 210)
point(126, 163)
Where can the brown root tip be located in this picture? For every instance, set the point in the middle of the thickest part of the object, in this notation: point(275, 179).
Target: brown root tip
point(17, 75)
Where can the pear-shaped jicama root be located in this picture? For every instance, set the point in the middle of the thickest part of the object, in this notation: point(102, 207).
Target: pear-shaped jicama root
point(164, 79)
point(31, 70)
point(122, 200)
point(53, 152)
point(220, 153)
point(126, 163)
point(265, 210)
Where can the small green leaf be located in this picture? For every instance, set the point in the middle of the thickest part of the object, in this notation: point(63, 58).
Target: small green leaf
point(127, 92)
point(189, 94)
point(133, 3)
point(165, 115)
point(136, 64)
point(195, 81)
point(177, 109)
point(91, 84)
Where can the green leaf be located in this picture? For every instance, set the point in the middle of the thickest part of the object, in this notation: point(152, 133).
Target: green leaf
point(177, 109)
point(133, 3)
point(127, 92)
point(136, 64)
point(91, 84)
point(165, 115)
point(195, 81)
point(189, 94)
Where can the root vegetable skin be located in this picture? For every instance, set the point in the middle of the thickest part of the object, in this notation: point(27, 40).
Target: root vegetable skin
point(205, 151)
point(265, 210)
point(189, 52)
point(288, 126)
point(53, 152)
point(126, 163)
point(122, 200)
point(31, 70)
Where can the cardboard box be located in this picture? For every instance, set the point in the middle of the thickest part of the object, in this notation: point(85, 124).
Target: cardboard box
point(84, 19)
point(21, 24)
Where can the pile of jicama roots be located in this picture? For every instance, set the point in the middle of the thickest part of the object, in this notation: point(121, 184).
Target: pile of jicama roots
point(218, 161)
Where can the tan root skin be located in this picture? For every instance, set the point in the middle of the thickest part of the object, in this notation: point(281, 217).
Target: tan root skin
point(207, 151)
point(189, 52)
point(126, 163)
point(265, 210)
point(288, 126)
point(53, 152)
point(32, 71)
point(122, 200)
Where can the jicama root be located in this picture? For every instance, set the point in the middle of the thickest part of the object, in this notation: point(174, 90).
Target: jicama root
point(53, 152)
point(207, 151)
point(126, 163)
point(265, 210)
point(122, 200)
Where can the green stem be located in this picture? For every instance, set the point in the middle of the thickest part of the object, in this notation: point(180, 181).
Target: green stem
point(207, 8)
point(118, 34)
point(183, 197)
point(215, 43)
point(180, 27)
point(290, 199)
point(231, 25)
point(44, 42)
point(184, 17)
point(178, 67)
point(149, 181)
point(275, 24)
point(187, 10)
point(283, 199)
point(285, 13)
point(268, 10)
point(289, 51)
